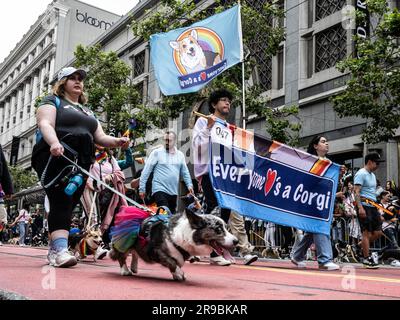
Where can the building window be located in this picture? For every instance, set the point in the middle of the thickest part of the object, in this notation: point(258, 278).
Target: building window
point(14, 120)
point(28, 109)
point(324, 8)
point(8, 125)
point(21, 115)
point(140, 88)
point(139, 64)
point(280, 68)
point(2, 129)
point(264, 71)
point(330, 47)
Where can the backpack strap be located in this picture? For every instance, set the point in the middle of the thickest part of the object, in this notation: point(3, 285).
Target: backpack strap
point(39, 135)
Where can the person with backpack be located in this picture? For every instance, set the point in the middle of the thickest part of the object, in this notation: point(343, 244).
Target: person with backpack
point(67, 129)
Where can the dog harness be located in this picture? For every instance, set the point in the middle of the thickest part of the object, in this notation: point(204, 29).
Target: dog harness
point(85, 249)
point(144, 235)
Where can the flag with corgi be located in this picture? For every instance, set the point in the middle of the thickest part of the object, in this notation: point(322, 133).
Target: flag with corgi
point(186, 59)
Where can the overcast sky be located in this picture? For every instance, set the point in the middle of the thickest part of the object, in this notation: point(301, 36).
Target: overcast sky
point(16, 17)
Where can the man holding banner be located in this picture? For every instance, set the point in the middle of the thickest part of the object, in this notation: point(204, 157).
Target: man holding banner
point(216, 127)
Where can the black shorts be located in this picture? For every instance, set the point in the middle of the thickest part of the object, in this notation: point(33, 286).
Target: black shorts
point(372, 222)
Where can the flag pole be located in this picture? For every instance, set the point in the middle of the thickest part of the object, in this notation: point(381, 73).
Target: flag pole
point(243, 71)
point(244, 97)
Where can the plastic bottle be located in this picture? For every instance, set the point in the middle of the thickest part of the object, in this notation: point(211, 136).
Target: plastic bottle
point(74, 183)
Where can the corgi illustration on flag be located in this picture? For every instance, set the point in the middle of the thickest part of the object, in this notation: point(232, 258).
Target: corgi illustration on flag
point(193, 54)
point(186, 59)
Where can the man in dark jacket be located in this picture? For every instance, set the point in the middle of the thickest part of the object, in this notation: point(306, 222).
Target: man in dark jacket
point(6, 189)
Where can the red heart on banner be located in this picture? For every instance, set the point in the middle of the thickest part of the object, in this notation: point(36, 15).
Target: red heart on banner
point(203, 76)
point(271, 177)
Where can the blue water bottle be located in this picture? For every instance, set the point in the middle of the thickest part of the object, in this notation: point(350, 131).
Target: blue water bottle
point(74, 183)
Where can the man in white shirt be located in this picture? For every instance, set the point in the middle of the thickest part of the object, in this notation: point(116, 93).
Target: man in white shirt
point(215, 126)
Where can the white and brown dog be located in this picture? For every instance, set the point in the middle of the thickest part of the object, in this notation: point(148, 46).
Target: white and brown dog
point(85, 243)
point(171, 240)
point(192, 56)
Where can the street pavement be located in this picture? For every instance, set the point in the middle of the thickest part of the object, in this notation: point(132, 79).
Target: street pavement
point(24, 274)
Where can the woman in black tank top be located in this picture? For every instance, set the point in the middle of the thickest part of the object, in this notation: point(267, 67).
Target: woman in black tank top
point(62, 117)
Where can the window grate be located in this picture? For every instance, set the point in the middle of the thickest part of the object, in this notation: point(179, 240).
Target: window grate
point(138, 65)
point(330, 47)
point(324, 8)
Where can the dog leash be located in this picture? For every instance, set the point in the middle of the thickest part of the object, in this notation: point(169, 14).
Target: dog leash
point(134, 203)
point(88, 226)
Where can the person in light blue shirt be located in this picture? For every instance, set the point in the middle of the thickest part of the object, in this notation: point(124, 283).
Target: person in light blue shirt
point(368, 215)
point(167, 164)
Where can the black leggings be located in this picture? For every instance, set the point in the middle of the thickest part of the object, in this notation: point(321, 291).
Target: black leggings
point(61, 205)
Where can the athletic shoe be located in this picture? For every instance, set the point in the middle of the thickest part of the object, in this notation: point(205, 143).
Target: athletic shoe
point(62, 259)
point(299, 264)
point(395, 263)
point(219, 261)
point(375, 257)
point(51, 257)
point(249, 259)
point(100, 253)
point(329, 266)
point(369, 263)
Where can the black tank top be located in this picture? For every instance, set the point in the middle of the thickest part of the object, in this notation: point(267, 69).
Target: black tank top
point(71, 118)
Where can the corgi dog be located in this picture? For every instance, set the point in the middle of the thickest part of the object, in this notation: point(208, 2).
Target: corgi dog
point(169, 240)
point(85, 243)
point(191, 54)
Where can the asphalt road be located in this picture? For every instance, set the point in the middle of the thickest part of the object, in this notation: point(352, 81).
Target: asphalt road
point(25, 275)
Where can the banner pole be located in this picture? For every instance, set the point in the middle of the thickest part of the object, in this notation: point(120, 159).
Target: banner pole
point(244, 97)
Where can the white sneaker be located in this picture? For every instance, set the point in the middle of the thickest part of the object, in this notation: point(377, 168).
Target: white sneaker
point(100, 253)
point(249, 259)
point(395, 263)
point(219, 261)
point(62, 259)
point(299, 264)
point(51, 257)
point(375, 257)
point(329, 266)
point(1, 243)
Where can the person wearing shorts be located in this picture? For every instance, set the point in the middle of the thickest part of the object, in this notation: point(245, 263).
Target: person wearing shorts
point(368, 216)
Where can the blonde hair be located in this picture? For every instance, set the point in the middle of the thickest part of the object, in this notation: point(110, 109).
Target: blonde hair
point(59, 90)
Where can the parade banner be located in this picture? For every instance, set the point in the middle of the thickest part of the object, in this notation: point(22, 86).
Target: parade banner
point(271, 181)
point(186, 59)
